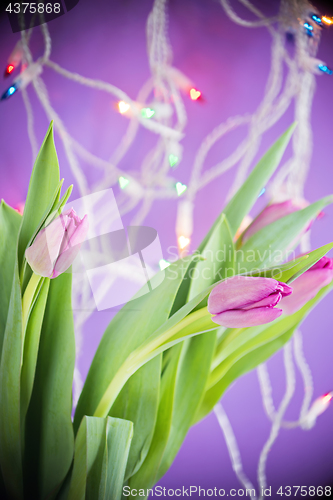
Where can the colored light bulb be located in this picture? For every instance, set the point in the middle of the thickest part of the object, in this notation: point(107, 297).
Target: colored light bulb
point(308, 29)
point(147, 112)
point(123, 182)
point(195, 94)
point(9, 70)
point(327, 398)
point(173, 160)
point(180, 188)
point(316, 19)
point(327, 20)
point(308, 26)
point(163, 264)
point(325, 69)
point(123, 107)
point(262, 192)
point(9, 92)
point(183, 242)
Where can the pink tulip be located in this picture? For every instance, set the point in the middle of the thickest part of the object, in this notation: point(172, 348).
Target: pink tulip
point(308, 285)
point(271, 214)
point(57, 245)
point(244, 301)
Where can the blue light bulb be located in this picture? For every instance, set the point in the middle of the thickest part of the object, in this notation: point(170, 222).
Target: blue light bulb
point(325, 69)
point(316, 19)
point(308, 28)
point(9, 92)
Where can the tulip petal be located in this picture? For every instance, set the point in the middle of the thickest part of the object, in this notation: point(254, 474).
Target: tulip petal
point(323, 263)
point(269, 215)
point(72, 248)
point(306, 288)
point(285, 289)
point(42, 254)
point(270, 301)
point(240, 318)
point(239, 292)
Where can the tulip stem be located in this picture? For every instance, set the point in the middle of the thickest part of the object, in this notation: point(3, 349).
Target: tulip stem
point(147, 351)
point(28, 300)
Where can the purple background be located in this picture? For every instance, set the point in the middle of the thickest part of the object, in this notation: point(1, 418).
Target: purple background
point(230, 65)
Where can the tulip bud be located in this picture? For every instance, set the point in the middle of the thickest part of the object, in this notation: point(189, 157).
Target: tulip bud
point(244, 301)
point(308, 285)
point(272, 213)
point(57, 245)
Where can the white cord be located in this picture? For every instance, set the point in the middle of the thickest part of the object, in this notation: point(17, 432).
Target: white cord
point(233, 449)
point(290, 388)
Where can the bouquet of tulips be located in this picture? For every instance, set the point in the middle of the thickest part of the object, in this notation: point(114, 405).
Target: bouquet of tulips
point(162, 365)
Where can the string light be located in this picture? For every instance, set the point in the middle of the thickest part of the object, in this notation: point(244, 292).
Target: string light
point(163, 264)
point(123, 107)
point(262, 192)
point(184, 224)
point(325, 69)
point(195, 94)
point(309, 29)
point(316, 19)
point(327, 398)
point(123, 182)
point(22, 80)
point(147, 112)
point(14, 59)
point(9, 70)
point(183, 242)
point(327, 20)
point(9, 92)
point(173, 160)
point(180, 188)
point(317, 408)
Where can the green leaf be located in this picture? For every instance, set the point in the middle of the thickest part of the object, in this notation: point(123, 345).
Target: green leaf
point(31, 345)
point(251, 360)
point(190, 361)
point(44, 182)
point(146, 476)
point(242, 202)
point(101, 451)
point(129, 329)
point(10, 221)
point(190, 389)
point(169, 334)
point(303, 266)
point(138, 402)
point(49, 439)
point(10, 438)
point(268, 246)
point(218, 255)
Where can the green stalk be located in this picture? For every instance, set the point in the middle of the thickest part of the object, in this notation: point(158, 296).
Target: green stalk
point(29, 298)
point(140, 356)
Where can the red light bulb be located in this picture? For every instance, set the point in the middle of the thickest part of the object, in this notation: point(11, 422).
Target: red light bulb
point(9, 69)
point(327, 398)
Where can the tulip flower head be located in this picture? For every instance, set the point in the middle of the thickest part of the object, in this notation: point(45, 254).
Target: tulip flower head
point(272, 213)
point(56, 246)
point(244, 301)
point(308, 285)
